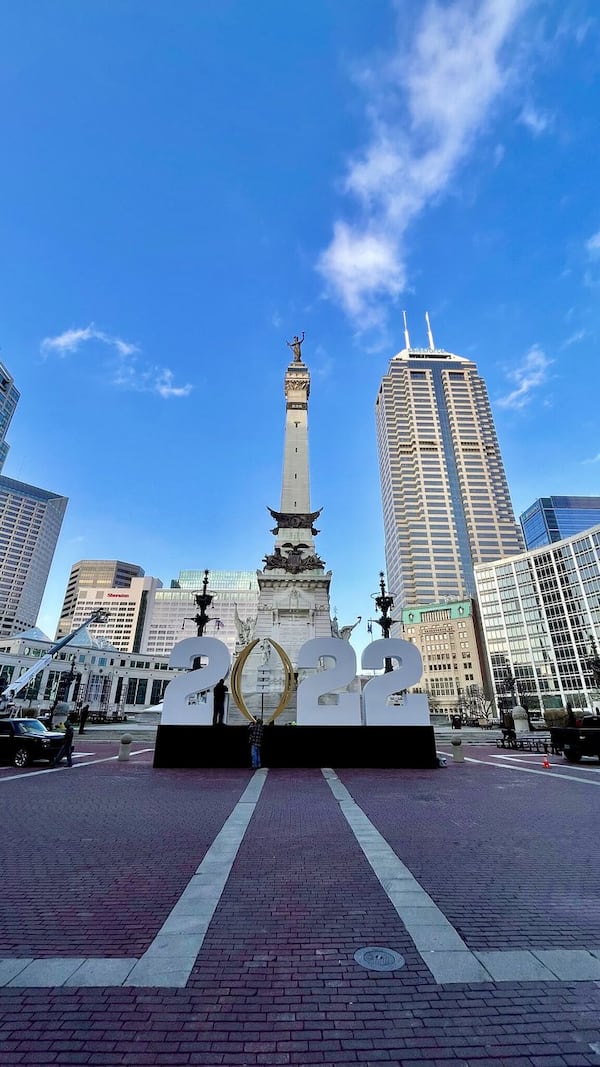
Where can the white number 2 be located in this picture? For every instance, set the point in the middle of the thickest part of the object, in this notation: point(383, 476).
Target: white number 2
point(346, 710)
point(414, 710)
point(176, 710)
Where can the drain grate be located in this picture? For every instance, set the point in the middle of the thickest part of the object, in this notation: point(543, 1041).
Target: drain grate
point(379, 959)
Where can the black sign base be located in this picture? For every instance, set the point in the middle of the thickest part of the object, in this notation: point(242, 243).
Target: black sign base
point(297, 746)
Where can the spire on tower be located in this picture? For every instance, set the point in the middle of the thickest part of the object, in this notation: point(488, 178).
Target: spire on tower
point(406, 337)
point(429, 333)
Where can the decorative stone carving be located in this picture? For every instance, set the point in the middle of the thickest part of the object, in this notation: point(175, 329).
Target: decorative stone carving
point(293, 562)
point(295, 521)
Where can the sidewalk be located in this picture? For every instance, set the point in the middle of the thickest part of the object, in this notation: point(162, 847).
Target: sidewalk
point(247, 896)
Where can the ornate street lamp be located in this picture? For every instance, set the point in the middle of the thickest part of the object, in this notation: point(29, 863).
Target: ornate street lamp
point(203, 601)
point(384, 602)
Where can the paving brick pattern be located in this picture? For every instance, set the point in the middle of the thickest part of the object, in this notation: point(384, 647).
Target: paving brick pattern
point(93, 859)
point(275, 981)
point(507, 856)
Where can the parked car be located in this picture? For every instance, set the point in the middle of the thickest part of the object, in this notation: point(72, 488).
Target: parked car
point(25, 740)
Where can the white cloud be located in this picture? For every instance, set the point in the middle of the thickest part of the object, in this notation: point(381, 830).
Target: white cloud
point(426, 107)
point(575, 338)
point(535, 120)
point(163, 385)
point(532, 373)
point(594, 459)
point(592, 245)
point(158, 380)
point(71, 340)
point(128, 373)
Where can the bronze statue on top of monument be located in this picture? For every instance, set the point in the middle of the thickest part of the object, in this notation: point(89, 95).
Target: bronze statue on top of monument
point(296, 347)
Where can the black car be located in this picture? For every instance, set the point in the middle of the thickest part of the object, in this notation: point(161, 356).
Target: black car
point(25, 740)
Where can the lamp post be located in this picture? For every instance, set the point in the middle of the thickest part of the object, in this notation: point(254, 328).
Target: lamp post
point(593, 661)
point(203, 601)
point(384, 603)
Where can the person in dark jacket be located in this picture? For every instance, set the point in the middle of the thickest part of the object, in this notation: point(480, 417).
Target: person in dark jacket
point(83, 717)
point(255, 736)
point(66, 748)
point(219, 695)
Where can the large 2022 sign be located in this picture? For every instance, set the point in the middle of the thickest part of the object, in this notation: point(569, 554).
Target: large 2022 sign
point(368, 708)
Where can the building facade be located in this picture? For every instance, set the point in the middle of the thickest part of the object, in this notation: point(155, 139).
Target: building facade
point(553, 518)
point(171, 611)
point(86, 671)
point(93, 574)
point(126, 612)
point(446, 505)
point(450, 645)
point(9, 398)
point(540, 613)
point(30, 522)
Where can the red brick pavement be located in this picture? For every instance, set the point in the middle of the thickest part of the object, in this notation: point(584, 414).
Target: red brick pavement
point(93, 859)
point(535, 883)
point(275, 982)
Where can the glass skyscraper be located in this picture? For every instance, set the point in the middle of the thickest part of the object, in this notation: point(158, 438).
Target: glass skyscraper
point(541, 619)
point(552, 518)
point(446, 505)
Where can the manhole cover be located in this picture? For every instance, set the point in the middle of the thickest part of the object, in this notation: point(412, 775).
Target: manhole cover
point(379, 959)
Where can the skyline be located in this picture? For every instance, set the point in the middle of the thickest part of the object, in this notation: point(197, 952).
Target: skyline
point(185, 191)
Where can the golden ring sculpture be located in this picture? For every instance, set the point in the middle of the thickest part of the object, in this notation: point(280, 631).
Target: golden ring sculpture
point(236, 679)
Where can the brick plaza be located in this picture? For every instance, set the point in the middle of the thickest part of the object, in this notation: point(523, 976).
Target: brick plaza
point(212, 917)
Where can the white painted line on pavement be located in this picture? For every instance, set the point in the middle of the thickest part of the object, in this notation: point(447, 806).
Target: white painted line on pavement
point(440, 946)
point(438, 943)
point(64, 767)
point(536, 763)
point(548, 773)
point(170, 958)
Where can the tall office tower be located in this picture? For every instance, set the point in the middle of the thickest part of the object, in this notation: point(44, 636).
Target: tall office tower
point(171, 612)
point(293, 602)
point(126, 611)
point(552, 518)
point(93, 574)
point(446, 505)
point(9, 398)
point(30, 522)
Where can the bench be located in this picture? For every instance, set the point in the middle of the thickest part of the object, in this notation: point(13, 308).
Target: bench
point(525, 744)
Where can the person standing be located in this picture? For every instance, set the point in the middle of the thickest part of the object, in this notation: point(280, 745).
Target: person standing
point(255, 736)
point(66, 748)
point(219, 695)
point(83, 717)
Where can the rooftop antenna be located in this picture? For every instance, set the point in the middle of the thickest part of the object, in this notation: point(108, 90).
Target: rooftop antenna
point(429, 333)
point(406, 337)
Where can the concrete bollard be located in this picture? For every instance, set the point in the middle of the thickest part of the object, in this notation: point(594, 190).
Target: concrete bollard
point(124, 746)
point(457, 753)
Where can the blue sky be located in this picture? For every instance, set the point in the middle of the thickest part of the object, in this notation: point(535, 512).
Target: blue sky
point(186, 186)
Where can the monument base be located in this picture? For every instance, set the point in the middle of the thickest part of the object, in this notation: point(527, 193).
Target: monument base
point(297, 746)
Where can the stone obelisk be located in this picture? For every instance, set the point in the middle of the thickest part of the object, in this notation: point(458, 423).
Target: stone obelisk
point(293, 603)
